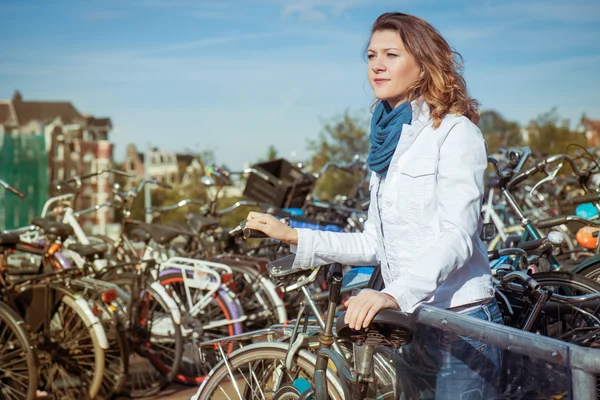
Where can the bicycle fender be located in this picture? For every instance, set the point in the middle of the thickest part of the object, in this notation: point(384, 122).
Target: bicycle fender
point(300, 342)
point(94, 322)
point(171, 305)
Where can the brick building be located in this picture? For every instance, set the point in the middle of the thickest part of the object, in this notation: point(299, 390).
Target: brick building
point(591, 128)
point(167, 167)
point(76, 144)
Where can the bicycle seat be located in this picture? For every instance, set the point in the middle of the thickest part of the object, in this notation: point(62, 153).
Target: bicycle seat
point(89, 250)
point(389, 328)
point(53, 227)
point(159, 233)
point(139, 235)
point(199, 223)
point(7, 239)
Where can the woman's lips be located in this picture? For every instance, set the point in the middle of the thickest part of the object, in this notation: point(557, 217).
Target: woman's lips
point(380, 81)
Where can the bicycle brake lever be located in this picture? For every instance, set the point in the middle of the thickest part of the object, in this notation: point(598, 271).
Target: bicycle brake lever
point(548, 178)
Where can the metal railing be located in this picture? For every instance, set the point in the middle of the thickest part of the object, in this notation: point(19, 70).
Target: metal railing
point(583, 363)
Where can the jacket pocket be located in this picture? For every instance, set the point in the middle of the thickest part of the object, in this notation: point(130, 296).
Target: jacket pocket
point(417, 183)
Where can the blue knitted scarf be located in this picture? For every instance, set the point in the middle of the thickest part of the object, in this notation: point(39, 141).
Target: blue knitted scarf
point(386, 127)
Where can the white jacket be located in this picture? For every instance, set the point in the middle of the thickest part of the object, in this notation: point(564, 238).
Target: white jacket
point(424, 218)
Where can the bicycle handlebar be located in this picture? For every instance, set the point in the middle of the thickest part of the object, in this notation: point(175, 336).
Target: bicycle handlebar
point(525, 279)
point(12, 189)
point(175, 206)
point(242, 203)
point(93, 208)
point(523, 159)
point(102, 171)
point(144, 182)
point(586, 198)
point(554, 221)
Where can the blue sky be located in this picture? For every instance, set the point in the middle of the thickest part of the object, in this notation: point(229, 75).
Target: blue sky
point(238, 76)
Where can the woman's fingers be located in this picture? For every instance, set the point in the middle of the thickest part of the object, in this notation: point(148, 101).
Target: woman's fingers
point(362, 314)
point(252, 215)
point(370, 315)
point(257, 225)
point(354, 311)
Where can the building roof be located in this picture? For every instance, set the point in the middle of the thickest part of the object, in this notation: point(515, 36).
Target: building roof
point(187, 159)
point(591, 124)
point(4, 112)
point(46, 111)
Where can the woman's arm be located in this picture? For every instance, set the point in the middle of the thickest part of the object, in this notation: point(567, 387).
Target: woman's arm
point(463, 161)
point(319, 247)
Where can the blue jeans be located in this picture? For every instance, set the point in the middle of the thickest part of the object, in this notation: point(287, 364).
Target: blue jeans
point(452, 367)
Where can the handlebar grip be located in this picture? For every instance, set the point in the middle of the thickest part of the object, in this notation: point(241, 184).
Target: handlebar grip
point(550, 222)
point(164, 185)
point(517, 179)
point(531, 244)
point(493, 255)
point(586, 198)
point(254, 234)
point(17, 192)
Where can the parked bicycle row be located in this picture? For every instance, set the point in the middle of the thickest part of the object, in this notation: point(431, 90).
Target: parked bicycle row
point(79, 313)
point(535, 291)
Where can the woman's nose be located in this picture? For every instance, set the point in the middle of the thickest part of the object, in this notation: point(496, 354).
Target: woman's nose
point(378, 66)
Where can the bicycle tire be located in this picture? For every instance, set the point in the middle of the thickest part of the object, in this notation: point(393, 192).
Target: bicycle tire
point(260, 352)
point(174, 284)
point(591, 272)
point(99, 360)
point(14, 329)
point(165, 373)
point(271, 301)
point(578, 281)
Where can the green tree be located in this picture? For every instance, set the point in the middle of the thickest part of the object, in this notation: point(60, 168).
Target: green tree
point(499, 132)
point(550, 134)
point(341, 138)
point(271, 153)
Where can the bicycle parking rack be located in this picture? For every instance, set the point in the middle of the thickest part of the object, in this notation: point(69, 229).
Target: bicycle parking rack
point(582, 363)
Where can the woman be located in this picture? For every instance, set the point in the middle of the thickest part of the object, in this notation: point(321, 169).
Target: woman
point(428, 160)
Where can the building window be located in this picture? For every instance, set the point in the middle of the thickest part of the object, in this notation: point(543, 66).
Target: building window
point(60, 174)
point(59, 151)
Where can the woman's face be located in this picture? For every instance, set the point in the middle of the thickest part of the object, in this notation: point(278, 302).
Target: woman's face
point(392, 69)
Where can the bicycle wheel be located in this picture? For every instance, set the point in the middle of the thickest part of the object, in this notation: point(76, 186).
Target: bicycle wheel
point(258, 371)
point(217, 312)
point(557, 322)
point(262, 305)
point(71, 357)
point(155, 337)
point(591, 272)
point(117, 354)
point(18, 360)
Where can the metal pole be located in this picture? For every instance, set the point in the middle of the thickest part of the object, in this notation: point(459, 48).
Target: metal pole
point(147, 193)
point(542, 348)
point(584, 384)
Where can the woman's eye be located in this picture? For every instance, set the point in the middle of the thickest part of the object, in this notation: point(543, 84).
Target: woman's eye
point(371, 56)
point(392, 55)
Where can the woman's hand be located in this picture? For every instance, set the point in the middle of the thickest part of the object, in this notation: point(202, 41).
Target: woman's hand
point(363, 307)
point(272, 227)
